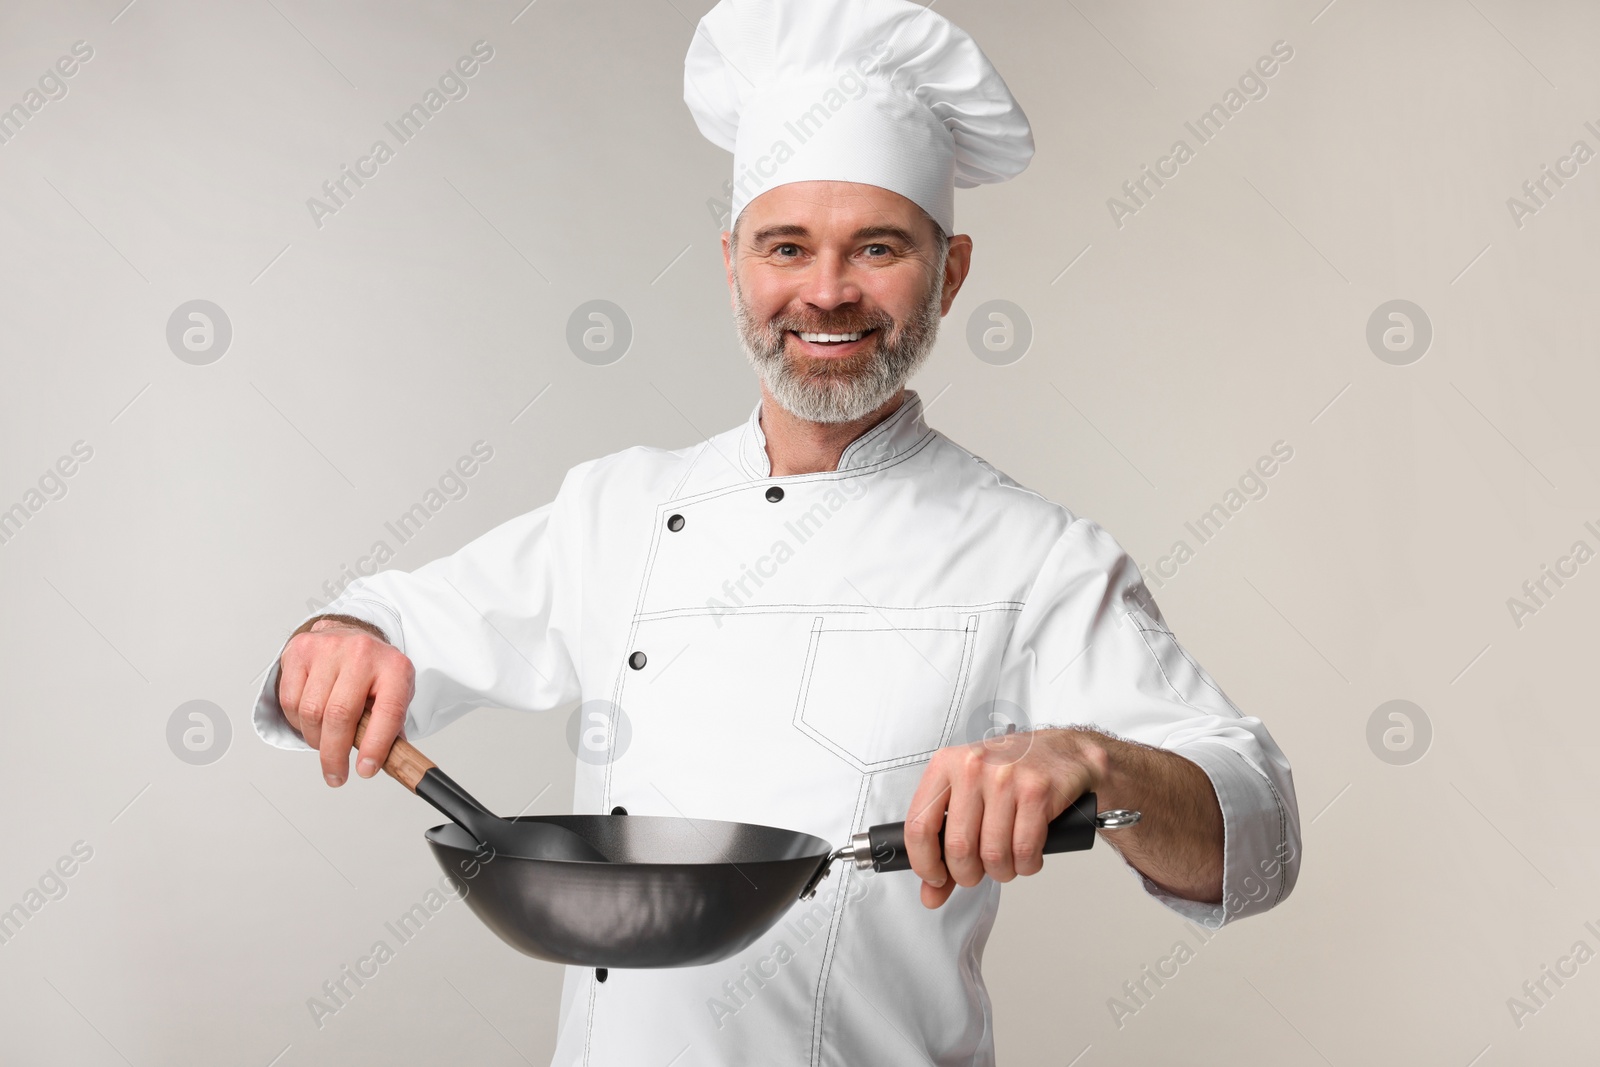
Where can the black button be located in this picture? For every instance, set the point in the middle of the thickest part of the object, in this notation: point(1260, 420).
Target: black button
point(600, 974)
point(775, 493)
point(619, 810)
point(675, 523)
point(637, 661)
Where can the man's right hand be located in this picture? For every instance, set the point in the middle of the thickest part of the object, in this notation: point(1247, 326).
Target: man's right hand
point(326, 675)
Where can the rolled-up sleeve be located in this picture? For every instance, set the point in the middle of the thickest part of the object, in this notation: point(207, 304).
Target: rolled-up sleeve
point(494, 624)
point(1091, 649)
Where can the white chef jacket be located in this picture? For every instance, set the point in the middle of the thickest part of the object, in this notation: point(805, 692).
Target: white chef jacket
point(808, 641)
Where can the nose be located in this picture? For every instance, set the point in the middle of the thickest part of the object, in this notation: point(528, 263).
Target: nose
point(830, 283)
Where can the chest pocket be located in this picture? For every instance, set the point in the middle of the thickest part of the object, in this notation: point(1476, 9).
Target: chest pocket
point(880, 694)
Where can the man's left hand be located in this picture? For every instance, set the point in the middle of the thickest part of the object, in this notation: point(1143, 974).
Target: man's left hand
point(995, 799)
point(1001, 794)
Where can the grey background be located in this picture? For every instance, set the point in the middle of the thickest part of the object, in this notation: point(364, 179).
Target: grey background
point(368, 354)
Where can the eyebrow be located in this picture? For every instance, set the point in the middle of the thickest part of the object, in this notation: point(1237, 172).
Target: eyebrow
point(768, 233)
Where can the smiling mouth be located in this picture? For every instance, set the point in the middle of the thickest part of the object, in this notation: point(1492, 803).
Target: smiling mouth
point(830, 338)
point(829, 342)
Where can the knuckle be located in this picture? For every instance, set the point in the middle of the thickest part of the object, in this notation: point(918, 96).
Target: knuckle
point(1032, 803)
point(957, 847)
point(388, 657)
point(1031, 790)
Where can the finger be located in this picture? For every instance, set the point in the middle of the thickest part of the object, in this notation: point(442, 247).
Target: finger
point(291, 684)
point(314, 696)
point(963, 829)
point(1029, 830)
point(924, 817)
point(390, 696)
point(345, 705)
point(999, 818)
point(934, 896)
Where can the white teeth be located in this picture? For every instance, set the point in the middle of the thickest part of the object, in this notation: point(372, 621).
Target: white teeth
point(821, 337)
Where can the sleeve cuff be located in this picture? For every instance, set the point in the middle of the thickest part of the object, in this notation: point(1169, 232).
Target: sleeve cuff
point(1260, 855)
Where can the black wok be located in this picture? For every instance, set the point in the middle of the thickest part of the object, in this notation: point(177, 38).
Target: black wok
point(670, 892)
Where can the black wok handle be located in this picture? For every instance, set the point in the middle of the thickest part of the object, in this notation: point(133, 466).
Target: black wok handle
point(406, 765)
point(1071, 831)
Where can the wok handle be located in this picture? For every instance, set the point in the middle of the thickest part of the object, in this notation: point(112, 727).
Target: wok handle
point(1071, 831)
point(405, 764)
point(423, 777)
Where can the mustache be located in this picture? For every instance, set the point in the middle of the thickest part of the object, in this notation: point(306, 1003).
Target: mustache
point(832, 324)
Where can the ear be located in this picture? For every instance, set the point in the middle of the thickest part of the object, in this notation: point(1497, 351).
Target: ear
point(956, 265)
point(727, 263)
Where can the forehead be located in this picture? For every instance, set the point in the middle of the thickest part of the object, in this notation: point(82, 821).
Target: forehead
point(829, 209)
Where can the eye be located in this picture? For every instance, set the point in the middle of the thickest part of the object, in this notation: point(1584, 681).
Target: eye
point(886, 251)
point(779, 249)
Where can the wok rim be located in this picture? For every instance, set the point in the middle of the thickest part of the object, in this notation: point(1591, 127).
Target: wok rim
point(823, 849)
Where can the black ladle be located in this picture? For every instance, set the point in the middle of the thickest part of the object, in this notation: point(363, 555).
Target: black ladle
point(521, 839)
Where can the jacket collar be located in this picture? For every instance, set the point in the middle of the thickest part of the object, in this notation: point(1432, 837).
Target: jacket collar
point(890, 438)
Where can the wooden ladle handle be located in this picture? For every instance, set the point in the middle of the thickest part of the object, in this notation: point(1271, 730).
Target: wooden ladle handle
point(405, 764)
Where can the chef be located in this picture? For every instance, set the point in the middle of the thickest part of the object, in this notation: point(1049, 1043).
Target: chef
point(832, 615)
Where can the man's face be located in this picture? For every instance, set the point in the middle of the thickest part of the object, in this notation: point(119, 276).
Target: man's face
point(837, 293)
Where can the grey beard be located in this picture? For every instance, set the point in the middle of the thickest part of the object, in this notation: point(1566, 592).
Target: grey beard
point(851, 388)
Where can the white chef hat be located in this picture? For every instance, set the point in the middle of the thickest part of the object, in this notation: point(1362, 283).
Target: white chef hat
point(881, 92)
